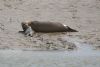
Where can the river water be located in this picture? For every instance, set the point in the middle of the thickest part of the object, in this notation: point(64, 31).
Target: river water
point(84, 56)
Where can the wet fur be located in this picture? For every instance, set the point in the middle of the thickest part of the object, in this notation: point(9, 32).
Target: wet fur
point(36, 26)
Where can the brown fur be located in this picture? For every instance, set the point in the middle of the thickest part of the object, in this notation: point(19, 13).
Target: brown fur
point(38, 26)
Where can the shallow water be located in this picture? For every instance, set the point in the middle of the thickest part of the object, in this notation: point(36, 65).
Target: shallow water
point(84, 49)
point(17, 58)
point(84, 56)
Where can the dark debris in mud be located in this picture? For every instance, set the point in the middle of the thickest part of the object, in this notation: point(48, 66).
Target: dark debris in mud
point(42, 41)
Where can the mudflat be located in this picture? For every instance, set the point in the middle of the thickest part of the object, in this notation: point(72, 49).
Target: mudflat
point(50, 49)
point(81, 15)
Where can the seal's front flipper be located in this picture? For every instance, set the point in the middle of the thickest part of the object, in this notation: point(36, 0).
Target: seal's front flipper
point(22, 32)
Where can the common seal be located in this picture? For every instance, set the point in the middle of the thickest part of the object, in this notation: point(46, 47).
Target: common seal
point(45, 27)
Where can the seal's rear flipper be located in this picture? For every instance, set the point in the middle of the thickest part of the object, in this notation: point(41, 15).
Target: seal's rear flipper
point(70, 29)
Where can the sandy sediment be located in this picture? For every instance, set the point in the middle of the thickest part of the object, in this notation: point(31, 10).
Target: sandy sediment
point(81, 15)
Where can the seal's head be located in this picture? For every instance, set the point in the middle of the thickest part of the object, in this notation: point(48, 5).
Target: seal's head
point(24, 25)
point(27, 30)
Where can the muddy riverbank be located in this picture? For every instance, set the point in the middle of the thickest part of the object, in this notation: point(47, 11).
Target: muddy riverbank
point(81, 15)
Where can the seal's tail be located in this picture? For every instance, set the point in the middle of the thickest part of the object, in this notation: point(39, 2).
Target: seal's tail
point(70, 29)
